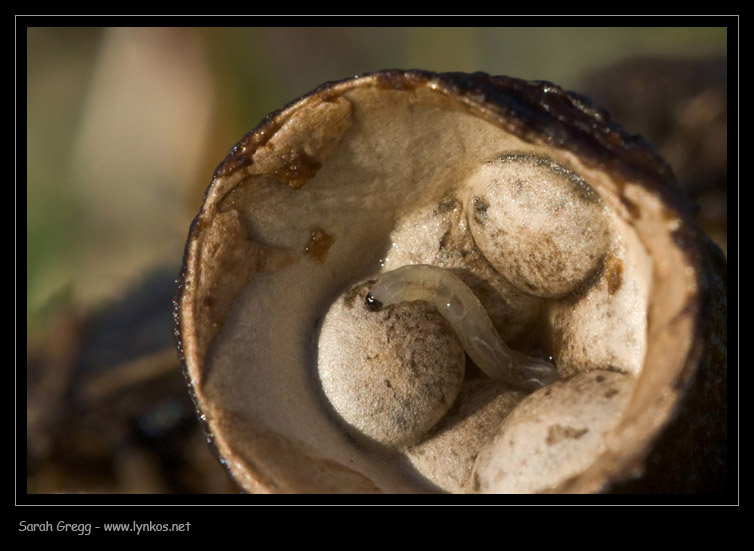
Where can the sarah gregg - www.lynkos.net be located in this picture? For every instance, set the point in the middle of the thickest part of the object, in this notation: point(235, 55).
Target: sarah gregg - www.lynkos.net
point(86, 528)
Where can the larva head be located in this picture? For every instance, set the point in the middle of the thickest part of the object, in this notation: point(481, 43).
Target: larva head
point(400, 167)
point(372, 303)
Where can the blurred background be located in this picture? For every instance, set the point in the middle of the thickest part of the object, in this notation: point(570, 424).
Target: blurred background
point(124, 129)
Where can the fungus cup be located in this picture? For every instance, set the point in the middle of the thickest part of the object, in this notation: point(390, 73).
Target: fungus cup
point(574, 237)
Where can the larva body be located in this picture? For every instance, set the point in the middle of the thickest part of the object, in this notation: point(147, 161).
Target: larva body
point(462, 309)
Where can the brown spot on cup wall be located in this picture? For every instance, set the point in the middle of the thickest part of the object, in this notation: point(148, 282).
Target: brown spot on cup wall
point(318, 245)
point(296, 168)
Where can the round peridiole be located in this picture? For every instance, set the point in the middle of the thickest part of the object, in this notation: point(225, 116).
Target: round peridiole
point(553, 433)
point(541, 226)
point(388, 375)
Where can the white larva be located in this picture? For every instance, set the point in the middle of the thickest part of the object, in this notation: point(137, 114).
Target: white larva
point(470, 321)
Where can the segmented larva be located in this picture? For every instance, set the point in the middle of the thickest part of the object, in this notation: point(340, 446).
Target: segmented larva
point(470, 321)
